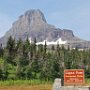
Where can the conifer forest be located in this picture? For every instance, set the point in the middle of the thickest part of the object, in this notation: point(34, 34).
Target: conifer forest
point(25, 60)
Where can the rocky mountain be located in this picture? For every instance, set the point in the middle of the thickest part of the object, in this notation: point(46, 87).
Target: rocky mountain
point(34, 25)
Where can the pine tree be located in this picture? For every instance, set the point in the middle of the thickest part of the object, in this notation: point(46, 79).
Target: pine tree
point(1, 51)
point(19, 60)
point(11, 50)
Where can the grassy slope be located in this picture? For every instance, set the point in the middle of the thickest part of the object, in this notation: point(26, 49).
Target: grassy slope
point(25, 85)
point(23, 82)
point(28, 85)
point(87, 82)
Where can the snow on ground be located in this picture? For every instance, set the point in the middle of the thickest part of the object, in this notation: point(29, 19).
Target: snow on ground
point(59, 41)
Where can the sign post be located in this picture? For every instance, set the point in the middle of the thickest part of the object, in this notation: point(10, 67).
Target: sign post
point(74, 77)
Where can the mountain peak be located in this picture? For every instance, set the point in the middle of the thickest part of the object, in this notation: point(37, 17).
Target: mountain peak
point(31, 20)
point(34, 15)
point(33, 24)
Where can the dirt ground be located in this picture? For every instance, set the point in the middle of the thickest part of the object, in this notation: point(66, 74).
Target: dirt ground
point(34, 87)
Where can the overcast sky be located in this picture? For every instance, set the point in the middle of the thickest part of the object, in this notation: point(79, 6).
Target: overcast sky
point(64, 14)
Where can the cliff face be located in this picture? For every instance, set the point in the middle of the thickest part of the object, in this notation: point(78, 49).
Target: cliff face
point(34, 25)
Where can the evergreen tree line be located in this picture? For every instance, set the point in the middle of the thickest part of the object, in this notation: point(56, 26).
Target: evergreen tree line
point(25, 60)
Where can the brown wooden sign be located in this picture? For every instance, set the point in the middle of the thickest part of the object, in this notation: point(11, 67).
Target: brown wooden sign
point(74, 77)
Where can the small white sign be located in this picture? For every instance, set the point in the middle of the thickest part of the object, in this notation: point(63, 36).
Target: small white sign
point(57, 84)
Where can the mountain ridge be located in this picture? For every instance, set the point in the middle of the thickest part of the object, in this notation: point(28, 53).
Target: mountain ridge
point(33, 24)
